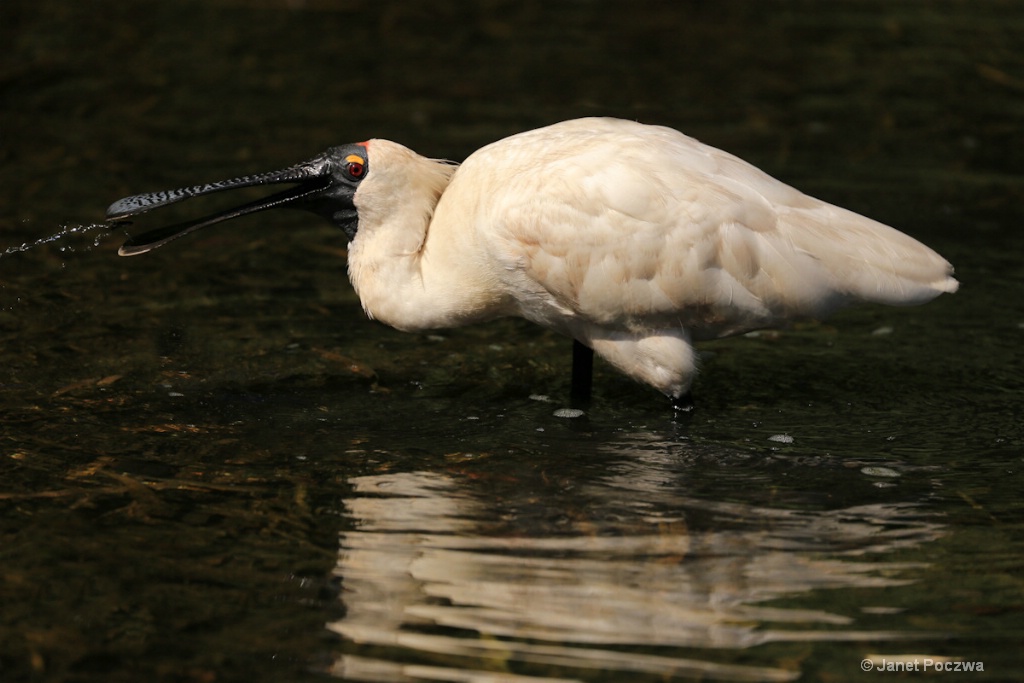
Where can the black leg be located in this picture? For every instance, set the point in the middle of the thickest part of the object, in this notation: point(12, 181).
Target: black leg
point(582, 371)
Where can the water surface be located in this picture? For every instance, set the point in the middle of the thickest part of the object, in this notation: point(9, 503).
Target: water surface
point(215, 468)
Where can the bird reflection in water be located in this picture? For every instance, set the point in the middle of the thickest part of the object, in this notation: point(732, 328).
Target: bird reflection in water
point(436, 569)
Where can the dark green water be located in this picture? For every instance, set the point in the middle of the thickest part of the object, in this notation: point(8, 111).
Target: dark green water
point(214, 468)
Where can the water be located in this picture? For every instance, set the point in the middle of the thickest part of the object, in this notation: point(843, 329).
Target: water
point(215, 468)
point(61, 236)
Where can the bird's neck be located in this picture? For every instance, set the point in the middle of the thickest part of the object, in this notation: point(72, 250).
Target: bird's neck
point(417, 268)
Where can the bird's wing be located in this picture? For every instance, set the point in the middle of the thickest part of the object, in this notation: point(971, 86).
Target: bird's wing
point(644, 232)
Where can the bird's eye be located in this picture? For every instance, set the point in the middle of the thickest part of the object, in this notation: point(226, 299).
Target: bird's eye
point(355, 169)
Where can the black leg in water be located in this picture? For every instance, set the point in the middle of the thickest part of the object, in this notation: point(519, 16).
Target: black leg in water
point(582, 372)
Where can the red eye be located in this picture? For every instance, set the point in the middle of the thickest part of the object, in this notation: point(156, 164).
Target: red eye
point(355, 169)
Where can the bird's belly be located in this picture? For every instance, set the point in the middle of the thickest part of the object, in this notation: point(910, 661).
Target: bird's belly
point(702, 322)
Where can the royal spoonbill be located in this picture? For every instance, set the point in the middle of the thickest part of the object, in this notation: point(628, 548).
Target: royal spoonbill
point(634, 240)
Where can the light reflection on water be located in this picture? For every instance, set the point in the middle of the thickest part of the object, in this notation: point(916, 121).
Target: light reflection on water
point(431, 569)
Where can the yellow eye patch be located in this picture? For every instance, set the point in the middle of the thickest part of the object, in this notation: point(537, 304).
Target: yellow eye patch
point(355, 166)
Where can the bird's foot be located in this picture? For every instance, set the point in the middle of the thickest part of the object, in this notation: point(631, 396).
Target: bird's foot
point(682, 404)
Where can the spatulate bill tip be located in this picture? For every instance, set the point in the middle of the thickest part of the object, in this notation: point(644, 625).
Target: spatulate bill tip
point(126, 207)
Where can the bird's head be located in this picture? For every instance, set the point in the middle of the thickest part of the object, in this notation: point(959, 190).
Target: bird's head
point(327, 184)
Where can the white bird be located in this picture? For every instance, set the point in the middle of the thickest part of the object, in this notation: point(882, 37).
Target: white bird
point(634, 240)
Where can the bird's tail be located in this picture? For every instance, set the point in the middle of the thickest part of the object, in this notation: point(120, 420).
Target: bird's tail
point(867, 260)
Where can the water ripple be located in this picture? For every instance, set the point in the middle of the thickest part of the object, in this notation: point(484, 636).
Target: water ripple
point(433, 567)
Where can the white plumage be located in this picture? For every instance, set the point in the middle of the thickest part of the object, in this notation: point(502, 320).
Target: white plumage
point(635, 240)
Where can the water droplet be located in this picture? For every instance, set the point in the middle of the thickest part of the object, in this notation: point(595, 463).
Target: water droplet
point(68, 230)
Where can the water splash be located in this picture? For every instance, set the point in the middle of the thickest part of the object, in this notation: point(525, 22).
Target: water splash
point(69, 239)
point(101, 230)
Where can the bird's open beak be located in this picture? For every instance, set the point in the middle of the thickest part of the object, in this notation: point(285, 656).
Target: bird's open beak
point(310, 178)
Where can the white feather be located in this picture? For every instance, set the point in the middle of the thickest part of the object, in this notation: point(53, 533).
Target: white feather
point(632, 238)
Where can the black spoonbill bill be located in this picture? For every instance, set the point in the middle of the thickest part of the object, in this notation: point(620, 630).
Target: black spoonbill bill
point(634, 240)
